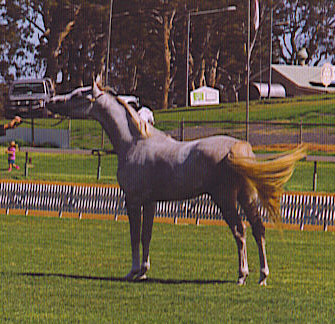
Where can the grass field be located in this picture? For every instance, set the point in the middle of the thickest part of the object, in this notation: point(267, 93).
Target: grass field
point(83, 169)
point(69, 271)
point(87, 134)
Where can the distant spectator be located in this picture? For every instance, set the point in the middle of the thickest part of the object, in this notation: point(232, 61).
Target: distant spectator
point(147, 115)
point(15, 122)
point(11, 156)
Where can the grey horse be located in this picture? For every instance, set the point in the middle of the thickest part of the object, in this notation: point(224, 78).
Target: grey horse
point(153, 167)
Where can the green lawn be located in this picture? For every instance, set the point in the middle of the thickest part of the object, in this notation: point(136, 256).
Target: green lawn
point(83, 169)
point(308, 109)
point(62, 167)
point(87, 134)
point(69, 271)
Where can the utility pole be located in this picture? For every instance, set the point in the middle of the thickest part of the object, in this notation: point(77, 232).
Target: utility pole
point(189, 15)
point(248, 79)
point(109, 40)
point(270, 58)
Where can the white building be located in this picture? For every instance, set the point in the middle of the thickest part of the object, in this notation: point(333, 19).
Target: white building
point(205, 96)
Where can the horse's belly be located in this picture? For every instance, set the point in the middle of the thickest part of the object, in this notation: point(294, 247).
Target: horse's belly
point(176, 188)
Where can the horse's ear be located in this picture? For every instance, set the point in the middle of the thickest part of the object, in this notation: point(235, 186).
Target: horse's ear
point(97, 91)
point(98, 79)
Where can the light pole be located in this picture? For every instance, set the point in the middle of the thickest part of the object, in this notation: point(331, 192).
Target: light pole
point(109, 40)
point(270, 58)
point(198, 13)
point(248, 78)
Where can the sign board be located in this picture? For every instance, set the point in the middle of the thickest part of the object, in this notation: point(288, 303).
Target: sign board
point(327, 74)
point(205, 96)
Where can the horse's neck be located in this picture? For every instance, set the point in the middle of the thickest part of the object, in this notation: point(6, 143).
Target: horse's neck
point(113, 119)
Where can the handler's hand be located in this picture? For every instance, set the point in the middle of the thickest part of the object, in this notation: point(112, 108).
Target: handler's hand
point(15, 122)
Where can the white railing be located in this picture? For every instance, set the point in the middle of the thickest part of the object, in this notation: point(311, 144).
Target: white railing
point(296, 208)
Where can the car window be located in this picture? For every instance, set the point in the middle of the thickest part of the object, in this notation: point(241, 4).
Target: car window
point(49, 85)
point(27, 88)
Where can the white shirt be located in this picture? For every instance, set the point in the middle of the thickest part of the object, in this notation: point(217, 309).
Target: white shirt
point(147, 115)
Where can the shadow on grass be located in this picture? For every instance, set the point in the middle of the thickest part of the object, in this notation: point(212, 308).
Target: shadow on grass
point(122, 279)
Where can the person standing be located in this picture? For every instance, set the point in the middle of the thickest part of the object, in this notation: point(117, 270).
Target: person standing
point(12, 124)
point(11, 157)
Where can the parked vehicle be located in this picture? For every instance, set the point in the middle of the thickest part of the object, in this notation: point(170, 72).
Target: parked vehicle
point(27, 98)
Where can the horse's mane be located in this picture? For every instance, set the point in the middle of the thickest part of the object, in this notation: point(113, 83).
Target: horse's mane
point(141, 125)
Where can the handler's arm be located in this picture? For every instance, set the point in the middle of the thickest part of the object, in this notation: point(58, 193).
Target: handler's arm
point(14, 123)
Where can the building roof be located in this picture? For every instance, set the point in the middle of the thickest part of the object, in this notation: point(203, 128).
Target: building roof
point(205, 88)
point(306, 77)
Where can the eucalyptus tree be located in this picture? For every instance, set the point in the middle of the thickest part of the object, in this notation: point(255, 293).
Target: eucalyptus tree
point(306, 24)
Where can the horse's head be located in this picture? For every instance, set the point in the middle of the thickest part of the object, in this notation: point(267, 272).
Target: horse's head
point(97, 103)
point(76, 104)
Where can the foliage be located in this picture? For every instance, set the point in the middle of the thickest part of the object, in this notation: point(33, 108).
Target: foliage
point(67, 40)
point(304, 24)
point(68, 271)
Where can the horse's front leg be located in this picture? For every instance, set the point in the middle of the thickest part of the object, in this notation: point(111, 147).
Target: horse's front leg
point(148, 218)
point(134, 216)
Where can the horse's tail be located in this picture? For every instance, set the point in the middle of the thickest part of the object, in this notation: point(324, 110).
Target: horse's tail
point(267, 177)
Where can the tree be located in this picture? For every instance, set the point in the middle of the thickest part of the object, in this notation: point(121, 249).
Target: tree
point(69, 46)
point(67, 40)
point(17, 47)
point(74, 43)
point(310, 25)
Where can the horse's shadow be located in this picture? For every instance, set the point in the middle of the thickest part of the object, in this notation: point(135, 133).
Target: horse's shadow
point(122, 279)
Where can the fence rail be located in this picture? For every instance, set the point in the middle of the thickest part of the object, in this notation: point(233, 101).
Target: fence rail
point(261, 132)
point(296, 208)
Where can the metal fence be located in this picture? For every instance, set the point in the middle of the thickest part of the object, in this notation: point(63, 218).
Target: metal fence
point(296, 208)
point(261, 132)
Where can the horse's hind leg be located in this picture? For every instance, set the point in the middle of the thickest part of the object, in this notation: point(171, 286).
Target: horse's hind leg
point(248, 200)
point(234, 221)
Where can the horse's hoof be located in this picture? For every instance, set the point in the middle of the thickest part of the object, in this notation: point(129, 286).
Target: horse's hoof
point(262, 278)
point(262, 282)
point(242, 281)
point(141, 277)
point(132, 275)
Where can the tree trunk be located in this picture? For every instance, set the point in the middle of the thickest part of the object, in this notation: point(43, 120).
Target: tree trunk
point(202, 79)
point(212, 72)
point(167, 26)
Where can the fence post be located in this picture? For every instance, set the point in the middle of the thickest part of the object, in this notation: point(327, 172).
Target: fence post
point(315, 176)
point(102, 138)
point(99, 166)
point(26, 166)
point(69, 130)
point(181, 130)
point(300, 132)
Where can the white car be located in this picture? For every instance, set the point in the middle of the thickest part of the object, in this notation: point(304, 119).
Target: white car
point(29, 97)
